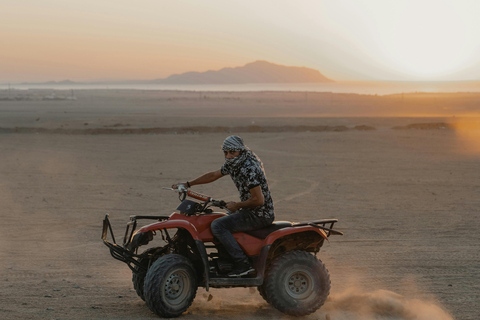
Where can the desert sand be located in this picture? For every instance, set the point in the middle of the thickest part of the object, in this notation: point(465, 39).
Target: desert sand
point(404, 186)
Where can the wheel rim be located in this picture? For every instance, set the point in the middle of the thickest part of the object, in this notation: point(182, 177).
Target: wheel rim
point(177, 287)
point(299, 284)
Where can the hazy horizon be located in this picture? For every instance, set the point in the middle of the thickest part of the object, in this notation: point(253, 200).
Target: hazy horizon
point(365, 40)
point(345, 87)
point(127, 81)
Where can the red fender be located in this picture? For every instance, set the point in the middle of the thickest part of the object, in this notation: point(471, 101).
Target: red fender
point(197, 226)
point(249, 244)
point(252, 246)
point(286, 231)
point(168, 224)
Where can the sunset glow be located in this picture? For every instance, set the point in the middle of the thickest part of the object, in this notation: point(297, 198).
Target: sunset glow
point(428, 39)
point(345, 40)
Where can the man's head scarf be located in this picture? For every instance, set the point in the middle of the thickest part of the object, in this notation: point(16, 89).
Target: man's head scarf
point(235, 143)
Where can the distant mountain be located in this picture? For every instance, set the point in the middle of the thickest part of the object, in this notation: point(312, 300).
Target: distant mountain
point(255, 72)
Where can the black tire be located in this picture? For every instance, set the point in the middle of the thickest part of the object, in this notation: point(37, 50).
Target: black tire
point(170, 285)
point(297, 283)
point(138, 277)
point(261, 290)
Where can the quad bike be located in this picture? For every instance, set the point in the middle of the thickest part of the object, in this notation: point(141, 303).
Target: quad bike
point(288, 274)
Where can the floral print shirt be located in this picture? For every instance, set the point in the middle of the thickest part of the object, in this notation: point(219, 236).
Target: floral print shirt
point(248, 175)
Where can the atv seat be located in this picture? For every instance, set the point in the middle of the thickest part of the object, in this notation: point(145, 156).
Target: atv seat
point(263, 233)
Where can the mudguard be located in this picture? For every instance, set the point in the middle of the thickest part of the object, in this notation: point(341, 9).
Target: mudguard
point(291, 230)
point(171, 224)
point(197, 226)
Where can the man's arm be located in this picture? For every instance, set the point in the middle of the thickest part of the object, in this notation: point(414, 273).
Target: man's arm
point(256, 199)
point(203, 179)
point(207, 178)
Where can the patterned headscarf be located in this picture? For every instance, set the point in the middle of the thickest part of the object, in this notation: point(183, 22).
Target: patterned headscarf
point(235, 143)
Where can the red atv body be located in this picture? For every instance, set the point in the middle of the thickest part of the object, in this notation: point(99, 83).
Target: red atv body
point(166, 275)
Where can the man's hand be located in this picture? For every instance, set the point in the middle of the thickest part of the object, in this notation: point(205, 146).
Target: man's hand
point(255, 200)
point(233, 206)
point(175, 186)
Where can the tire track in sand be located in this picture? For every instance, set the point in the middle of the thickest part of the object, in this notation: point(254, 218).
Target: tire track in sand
point(313, 184)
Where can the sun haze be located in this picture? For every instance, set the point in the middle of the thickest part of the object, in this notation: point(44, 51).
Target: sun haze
point(345, 40)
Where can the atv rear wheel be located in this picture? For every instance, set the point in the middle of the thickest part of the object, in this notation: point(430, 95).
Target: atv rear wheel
point(170, 285)
point(261, 290)
point(297, 283)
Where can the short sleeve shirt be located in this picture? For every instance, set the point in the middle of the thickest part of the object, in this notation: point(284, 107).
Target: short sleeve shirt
point(249, 175)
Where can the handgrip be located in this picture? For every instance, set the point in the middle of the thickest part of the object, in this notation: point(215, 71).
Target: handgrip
point(198, 196)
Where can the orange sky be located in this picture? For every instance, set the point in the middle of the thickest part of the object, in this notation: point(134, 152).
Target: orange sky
point(345, 40)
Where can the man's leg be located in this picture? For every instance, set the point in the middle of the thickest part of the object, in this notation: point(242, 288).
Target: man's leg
point(223, 228)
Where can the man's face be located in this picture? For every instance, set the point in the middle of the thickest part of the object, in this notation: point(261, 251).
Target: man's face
point(231, 154)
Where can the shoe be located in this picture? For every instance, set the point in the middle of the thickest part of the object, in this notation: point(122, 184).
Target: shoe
point(241, 269)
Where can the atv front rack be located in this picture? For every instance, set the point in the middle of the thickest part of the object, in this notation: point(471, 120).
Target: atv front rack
point(121, 253)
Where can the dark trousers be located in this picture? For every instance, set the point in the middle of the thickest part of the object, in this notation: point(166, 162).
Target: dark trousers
point(242, 220)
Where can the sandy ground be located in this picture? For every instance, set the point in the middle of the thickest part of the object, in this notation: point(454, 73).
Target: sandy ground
point(407, 201)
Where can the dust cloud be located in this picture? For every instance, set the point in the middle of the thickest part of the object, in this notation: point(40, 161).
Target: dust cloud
point(468, 136)
point(234, 303)
point(351, 304)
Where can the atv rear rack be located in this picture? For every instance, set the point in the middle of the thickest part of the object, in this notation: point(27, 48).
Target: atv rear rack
point(321, 224)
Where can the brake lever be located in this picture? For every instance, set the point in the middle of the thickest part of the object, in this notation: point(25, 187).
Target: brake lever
point(181, 190)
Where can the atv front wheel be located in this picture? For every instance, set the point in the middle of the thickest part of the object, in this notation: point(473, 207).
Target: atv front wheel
point(138, 276)
point(297, 283)
point(170, 285)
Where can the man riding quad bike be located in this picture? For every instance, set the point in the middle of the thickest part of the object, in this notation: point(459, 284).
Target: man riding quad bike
point(240, 249)
point(186, 255)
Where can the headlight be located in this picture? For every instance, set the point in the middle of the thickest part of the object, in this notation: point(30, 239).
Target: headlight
point(140, 239)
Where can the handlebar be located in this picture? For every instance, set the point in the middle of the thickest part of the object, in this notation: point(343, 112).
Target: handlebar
point(198, 196)
point(183, 192)
point(219, 203)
